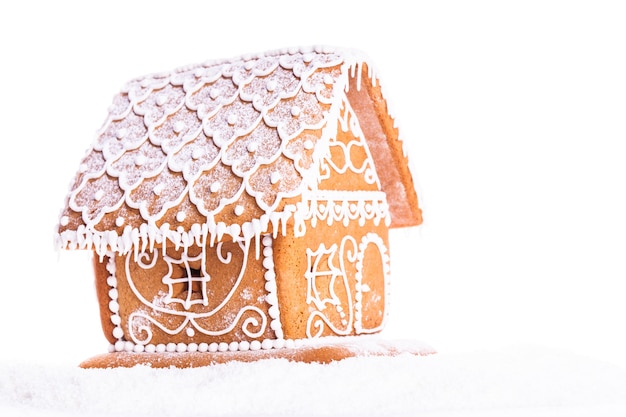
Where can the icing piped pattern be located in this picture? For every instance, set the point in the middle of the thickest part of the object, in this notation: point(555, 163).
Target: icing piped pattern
point(197, 139)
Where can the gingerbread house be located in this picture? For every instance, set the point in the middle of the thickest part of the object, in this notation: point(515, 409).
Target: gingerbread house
point(243, 204)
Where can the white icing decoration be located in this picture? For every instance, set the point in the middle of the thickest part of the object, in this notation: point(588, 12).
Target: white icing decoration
point(233, 346)
point(111, 280)
point(349, 122)
point(64, 221)
point(141, 333)
point(180, 216)
point(119, 221)
point(315, 206)
point(197, 153)
point(232, 119)
point(117, 332)
point(328, 265)
point(268, 263)
point(252, 147)
point(335, 206)
point(270, 276)
point(158, 189)
point(370, 238)
point(239, 210)
point(141, 322)
point(215, 187)
point(295, 111)
point(121, 133)
point(271, 85)
point(98, 195)
point(161, 99)
point(275, 177)
point(140, 160)
point(179, 126)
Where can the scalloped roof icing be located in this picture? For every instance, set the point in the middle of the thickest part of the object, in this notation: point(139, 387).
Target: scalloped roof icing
point(223, 147)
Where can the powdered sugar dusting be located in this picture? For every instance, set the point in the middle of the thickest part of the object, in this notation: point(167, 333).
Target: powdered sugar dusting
point(206, 136)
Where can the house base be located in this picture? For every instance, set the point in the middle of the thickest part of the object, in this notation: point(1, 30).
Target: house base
point(319, 352)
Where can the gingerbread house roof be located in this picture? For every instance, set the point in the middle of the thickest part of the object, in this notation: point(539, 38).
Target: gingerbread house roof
point(226, 148)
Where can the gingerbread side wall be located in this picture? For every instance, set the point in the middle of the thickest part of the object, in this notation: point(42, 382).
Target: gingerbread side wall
point(332, 273)
point(333, 281)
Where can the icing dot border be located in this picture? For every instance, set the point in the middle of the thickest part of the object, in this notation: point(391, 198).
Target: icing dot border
point(270, 286)
point(117, 332)
point(214, 347)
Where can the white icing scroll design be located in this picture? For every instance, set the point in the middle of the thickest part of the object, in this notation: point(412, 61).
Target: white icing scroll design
point(141, 322)
point(362, 287)
point(340, 206)
point(138, 325)
point(321, 270)
point(348, 121)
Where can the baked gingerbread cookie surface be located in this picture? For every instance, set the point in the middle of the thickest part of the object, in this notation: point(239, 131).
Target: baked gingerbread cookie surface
point(243, 205)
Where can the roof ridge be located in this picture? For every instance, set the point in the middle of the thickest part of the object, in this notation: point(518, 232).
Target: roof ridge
point(352, 55)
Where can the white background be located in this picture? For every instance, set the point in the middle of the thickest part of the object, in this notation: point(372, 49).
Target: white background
point(514, 114)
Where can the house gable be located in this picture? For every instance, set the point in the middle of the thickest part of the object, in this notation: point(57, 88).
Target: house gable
point(348, 165)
